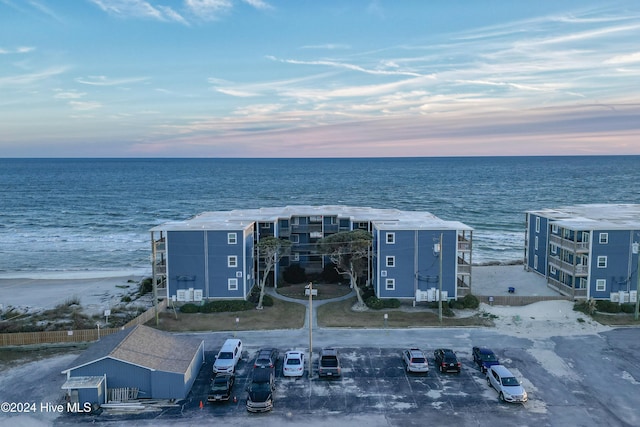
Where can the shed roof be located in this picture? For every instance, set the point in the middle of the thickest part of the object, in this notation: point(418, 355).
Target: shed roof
point(143, 346)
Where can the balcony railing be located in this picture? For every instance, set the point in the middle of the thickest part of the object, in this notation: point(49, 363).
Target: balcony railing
point(567, 290)
point(570, 245)
point(574, 270)
point(464, 269)
point(305, 228)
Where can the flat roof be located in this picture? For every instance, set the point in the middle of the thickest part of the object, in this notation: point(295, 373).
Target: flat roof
point(82, 382)
point(594, 216)
point(387, 218)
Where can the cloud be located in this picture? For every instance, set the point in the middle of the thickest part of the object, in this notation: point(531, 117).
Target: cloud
point(624, 59)
point(69, 94)
point(234, 92)
point(29, 78)
point(327, 46)
point(139, 9)
point(258, 4)
point(352, 67)
point(85, 105)
point(105, 81)
point(208, 10)
point(18, 50)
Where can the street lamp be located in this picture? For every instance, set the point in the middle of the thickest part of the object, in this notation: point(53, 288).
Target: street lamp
point(309, 289)
point(386, 317)
point(237, 323)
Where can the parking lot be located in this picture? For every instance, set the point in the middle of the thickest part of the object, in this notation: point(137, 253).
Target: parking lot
point(583, 380)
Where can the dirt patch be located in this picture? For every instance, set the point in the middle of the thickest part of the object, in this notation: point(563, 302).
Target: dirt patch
point(325, 291)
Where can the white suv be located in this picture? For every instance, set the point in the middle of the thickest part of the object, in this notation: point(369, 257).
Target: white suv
point(228, 357)
point(506, 384)
point(415, 360)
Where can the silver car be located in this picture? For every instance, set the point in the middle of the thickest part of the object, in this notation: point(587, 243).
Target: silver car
point(506, 384)
point(415, 360)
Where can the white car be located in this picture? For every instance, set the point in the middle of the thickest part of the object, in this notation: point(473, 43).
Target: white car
point(506, 384)
point(293, 365)
point(415, 360)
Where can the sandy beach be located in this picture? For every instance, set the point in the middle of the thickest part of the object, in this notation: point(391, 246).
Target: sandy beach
point(96, 291)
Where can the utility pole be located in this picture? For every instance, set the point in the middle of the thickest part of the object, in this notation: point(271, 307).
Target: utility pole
point(637, 284)
point(440, 284)
point(310, 330)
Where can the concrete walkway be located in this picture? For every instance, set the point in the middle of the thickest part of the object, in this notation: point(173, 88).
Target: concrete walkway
point(316, 303)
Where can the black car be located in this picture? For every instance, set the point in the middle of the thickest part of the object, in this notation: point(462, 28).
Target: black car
point(484, 358)
point(267, 358)
point(260, 391)
point(447, 361)
point(220, 389)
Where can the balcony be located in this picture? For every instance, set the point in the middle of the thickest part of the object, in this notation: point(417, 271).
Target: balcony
point(574, 270)
point(464, 268)
point(566, 289)
point(570, 245)
point(306, 228)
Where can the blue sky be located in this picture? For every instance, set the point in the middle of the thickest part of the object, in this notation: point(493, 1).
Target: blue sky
point(309, 78)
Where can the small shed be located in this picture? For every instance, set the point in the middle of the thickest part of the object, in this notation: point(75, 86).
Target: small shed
point(135, 363)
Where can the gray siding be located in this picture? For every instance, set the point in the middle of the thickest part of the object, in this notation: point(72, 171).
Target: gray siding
point(119, 374)
point(185, 263)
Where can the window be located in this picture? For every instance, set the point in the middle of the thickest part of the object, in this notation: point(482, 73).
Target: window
point(391, 261)
point(554, 228)
point(315, 219)
point(232, 261)
point(232, 284)
point(390, 284)
point(535, 244)
point(554, 248)
point(295, 238)
point(602, 261)
point(604, 238)
point(535, 262)
point(537, 224)
point(391, 238)
point(232, 238)
point(601, 285)
point(552, 270)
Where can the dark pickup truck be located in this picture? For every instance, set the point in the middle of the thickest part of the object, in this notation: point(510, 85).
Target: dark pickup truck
point(329, 363)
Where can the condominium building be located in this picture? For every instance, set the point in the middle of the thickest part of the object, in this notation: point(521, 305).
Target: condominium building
point(214, 254)
point(586, 251)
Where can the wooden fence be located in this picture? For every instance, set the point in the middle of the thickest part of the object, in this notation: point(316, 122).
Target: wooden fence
point(79, 335)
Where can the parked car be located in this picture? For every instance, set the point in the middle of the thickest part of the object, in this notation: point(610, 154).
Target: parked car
point(220, 389)
point(484, 357)
point(267, 358)
point(329, 363)
point(260, 391)
point(415, 360)
point(447, 361)
point(228, 356)
point(293, 365)
point(506, 384)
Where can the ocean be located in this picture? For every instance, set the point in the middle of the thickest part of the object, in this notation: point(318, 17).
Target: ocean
point(92, 216)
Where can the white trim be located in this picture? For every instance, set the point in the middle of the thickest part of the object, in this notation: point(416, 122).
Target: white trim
point(390, 238)
point(232, 238)
point(604, 260)
point(232, 284)
point(601, 285)
point(603, 238)
point(390, 285)
point(232, 261)
point(390, 261)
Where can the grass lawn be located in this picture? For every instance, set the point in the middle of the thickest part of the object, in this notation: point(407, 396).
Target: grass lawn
point(282, 315)
point(339, 314)
point(617, 319)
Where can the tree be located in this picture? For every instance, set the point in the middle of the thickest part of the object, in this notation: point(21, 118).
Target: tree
point(271, 250)
point(349, 251)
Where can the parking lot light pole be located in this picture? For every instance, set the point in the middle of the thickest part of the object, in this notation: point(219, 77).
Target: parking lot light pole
point(637, 249)
point(310, 330)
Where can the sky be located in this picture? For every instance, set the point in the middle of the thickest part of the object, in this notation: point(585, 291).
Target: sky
point(310, 78)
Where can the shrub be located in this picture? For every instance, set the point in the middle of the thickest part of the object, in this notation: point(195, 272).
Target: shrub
point(376, 303)
point(226, 306)
point(294, 274)
point(125, 298)
point(470, 301)
point(607, 306)
point(628, 308)
point(329, 274)
point(189, 308)
point(456, 304)
point(146, 286)
point(267, 301)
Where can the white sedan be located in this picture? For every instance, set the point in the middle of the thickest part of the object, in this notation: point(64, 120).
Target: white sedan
point(293, 365)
